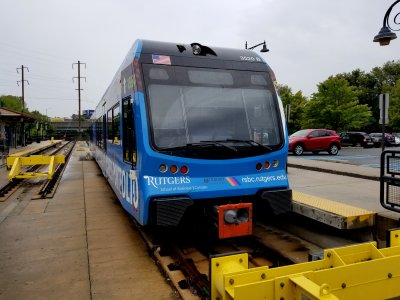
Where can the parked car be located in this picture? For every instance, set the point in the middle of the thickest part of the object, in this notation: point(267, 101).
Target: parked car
point(377, 139)
point(353, 138)
point(396, 138)
point(314, 140)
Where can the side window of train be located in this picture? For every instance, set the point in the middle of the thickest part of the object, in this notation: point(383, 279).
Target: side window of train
point(129, 135)
point(104, 125)
point(116, 126)
point(99, 132)
point(113, 121)
point(109, 126)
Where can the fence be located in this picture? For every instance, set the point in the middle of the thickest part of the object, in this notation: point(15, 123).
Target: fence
point(390, 180)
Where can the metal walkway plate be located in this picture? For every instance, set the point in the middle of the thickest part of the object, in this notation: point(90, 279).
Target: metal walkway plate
point(336, 214)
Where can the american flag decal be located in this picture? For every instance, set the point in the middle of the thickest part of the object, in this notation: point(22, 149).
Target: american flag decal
point(161, 59)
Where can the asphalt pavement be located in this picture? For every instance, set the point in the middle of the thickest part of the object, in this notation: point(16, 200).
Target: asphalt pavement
point(331, 164)
point(366, 157)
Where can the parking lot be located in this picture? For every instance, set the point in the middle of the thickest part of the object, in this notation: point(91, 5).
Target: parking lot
point(366, 157)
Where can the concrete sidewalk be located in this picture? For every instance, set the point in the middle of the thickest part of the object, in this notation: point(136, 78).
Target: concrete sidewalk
point(350, 190)
point(78, 245)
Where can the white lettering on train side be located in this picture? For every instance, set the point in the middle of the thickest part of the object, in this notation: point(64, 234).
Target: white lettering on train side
point(162, 181)
point(254, 179)
point(134, 189)
point(124, 181)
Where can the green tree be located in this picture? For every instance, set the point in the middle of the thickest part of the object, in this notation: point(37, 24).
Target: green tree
point(394, 107)
point(297, 104)
point(370, 85)
point(75, 117)
point(336, 106)
point(388, 74)
point(39, 117)
point(12, 102)
point(368, 88)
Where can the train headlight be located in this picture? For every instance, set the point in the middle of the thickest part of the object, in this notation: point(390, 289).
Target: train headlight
point(230, 216)
point(236, 216)
point(163, 168)
point(267, 164)
point(258, 166)
point(275, 163)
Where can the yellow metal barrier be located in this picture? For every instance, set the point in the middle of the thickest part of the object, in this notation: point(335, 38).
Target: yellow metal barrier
point(354, 272)
point(16, 164)
point(393, 237)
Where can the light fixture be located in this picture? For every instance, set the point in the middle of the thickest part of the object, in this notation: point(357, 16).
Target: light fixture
point(264, 48)
point(385, 35)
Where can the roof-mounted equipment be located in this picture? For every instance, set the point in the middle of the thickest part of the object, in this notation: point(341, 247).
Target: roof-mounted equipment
point(199, 49)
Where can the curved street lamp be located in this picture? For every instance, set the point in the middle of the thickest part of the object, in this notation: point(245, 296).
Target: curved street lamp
point(385, 35)
point(264, 48)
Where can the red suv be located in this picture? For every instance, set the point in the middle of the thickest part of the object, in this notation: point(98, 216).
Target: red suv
point(314, 140)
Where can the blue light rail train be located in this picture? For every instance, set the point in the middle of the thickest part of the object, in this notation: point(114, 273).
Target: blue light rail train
point(186, 130)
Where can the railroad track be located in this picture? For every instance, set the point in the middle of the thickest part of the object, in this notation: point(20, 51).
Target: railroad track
point(184, 259)
point(48, 186)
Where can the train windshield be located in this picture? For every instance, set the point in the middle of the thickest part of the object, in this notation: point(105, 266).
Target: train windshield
point(198, 112)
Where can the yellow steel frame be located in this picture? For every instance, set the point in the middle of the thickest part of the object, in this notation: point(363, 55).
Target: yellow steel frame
point(16, 164)
point(393, 237)
point(354, 272)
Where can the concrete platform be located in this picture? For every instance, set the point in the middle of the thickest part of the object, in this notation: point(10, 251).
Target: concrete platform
point(32, 148)
point(78, 245)
point(332, 213)
point(358, 186)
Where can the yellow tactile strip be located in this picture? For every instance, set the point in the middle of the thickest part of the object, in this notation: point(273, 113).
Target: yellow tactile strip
point(334, 207)
point(332, 213)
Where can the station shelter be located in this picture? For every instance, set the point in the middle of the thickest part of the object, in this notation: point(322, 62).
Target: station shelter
point(14, 130)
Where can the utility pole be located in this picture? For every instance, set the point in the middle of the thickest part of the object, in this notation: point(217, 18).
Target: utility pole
point(23, 101)
point(22, 84)
point(79, 93)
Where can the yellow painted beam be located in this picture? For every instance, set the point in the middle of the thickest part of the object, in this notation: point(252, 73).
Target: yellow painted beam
point(18, 163)
point(15, 169)
point(350, 272)
point(307, 289)
point(393, 237)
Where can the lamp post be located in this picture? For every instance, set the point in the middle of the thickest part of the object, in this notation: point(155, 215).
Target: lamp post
point(385, 35)
point(264, 48)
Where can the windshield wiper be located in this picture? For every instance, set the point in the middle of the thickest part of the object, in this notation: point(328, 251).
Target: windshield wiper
point(201, 144)
point(216, 143)
point(250, 142)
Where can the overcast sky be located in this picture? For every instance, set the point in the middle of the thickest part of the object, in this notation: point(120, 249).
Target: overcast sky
point(309, 40)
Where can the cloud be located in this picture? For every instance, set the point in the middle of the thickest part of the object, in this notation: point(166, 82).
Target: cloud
point(309, 40)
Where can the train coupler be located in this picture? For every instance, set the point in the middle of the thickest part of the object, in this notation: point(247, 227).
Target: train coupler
point(235, 220)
